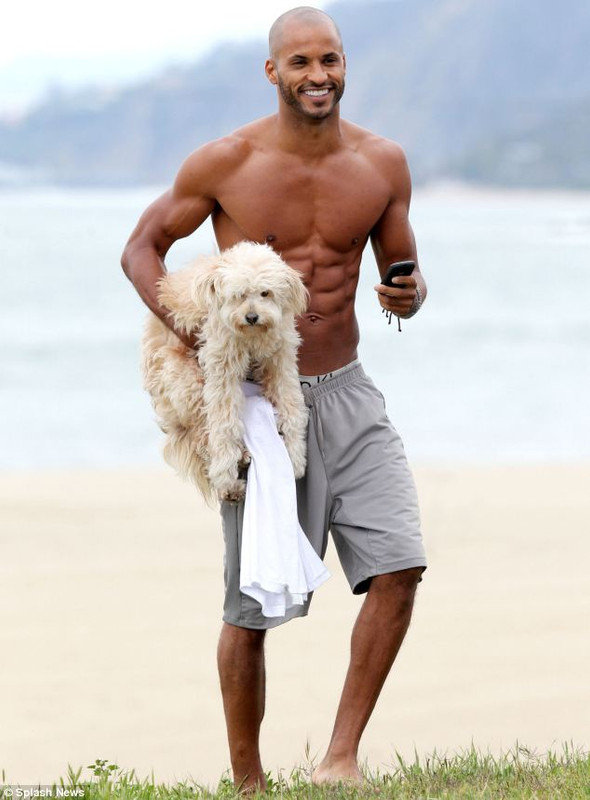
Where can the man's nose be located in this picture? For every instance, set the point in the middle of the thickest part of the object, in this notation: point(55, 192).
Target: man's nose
point(317, 74)
point(251, 318)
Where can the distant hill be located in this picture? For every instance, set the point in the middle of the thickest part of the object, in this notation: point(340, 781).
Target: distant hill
point(553, 153)
point(493, 91)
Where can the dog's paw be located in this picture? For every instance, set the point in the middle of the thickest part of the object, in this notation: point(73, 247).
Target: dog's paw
point(234, 493)
point(299, 462)
point(243, 464)
point(299, 470)
point(245, 460)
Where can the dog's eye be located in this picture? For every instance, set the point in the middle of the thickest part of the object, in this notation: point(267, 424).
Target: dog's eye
point(265, 293)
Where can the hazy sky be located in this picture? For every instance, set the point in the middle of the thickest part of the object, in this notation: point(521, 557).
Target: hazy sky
point(69, 42)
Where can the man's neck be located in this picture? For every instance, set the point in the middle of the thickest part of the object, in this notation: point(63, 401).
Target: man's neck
point(308, 138)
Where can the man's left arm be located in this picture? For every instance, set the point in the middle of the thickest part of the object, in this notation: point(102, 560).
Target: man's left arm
point(393, 240)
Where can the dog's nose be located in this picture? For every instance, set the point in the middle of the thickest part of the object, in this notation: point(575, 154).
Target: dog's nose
point(251, 318)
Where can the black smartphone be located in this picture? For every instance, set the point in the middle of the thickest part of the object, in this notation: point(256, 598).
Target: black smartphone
point(399, 268)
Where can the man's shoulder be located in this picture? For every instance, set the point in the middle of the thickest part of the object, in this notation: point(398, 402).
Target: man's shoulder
point(214, 160)
point(373, 146)
point(255, 132)
point(235, 146)
point(226, 151)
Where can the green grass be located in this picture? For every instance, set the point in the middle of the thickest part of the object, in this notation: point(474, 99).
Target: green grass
point(469, 775)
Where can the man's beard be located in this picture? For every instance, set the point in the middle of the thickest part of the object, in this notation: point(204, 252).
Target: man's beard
point(291, 99)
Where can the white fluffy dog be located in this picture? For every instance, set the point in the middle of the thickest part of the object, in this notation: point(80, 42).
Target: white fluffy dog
point(243, 302)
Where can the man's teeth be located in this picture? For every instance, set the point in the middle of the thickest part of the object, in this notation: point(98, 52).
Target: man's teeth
point(316, 92)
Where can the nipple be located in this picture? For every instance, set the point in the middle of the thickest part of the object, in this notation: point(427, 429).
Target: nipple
point(270, 237)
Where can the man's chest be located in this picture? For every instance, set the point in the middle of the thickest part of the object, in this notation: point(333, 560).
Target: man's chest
point(290, 204)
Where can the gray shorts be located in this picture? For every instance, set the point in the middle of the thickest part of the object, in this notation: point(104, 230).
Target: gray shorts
point(358, 485)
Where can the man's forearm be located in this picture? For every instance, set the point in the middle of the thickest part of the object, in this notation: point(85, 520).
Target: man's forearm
point(144, 268)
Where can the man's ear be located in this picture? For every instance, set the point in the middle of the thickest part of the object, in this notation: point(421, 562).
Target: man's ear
point(344, 61)
point(271, 71)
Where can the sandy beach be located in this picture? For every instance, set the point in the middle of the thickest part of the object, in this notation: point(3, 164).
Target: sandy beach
point(111, 593)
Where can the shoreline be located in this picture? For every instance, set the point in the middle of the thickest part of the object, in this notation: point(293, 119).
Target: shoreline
point(111, 597)
point(449, 187)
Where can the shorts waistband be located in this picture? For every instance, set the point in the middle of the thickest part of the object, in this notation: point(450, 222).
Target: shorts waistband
point(341, 377)
point(313, 380)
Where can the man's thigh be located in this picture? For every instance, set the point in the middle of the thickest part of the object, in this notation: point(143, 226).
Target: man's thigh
point(374, 517)
point(240, 609)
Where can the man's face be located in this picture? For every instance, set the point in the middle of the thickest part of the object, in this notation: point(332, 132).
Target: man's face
point(309, 69)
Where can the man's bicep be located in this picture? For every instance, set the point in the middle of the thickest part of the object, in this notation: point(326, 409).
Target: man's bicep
point(169, 218)
point(182, 209)
point(392, 238)
point(183, 214)
point(192, 196)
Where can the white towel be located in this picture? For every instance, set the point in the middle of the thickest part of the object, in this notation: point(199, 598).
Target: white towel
point(279, 567)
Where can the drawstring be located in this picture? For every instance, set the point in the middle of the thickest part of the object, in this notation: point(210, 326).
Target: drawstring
point(389, 315)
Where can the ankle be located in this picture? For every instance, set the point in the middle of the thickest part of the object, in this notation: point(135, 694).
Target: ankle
point(341, 753)
point(336, 769)
point(340, 762)
point(247, 768)
point(250, 782)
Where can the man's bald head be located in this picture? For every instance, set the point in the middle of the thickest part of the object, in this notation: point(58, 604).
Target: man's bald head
point(302, 14)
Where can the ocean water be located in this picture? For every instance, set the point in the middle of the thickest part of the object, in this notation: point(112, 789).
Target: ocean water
point(495, 368)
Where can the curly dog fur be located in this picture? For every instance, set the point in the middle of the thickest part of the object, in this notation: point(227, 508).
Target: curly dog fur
point(243, 302)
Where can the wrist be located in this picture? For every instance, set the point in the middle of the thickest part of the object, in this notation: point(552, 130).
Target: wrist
point(416, 304)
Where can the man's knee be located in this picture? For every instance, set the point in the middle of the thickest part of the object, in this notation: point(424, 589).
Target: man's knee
point(399, 586)
point(250, 638)
point(409, 578)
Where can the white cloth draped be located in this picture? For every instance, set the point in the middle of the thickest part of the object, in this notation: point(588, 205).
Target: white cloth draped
point(279, 567)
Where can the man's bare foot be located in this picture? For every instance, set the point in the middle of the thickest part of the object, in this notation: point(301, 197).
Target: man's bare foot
point(333, 770)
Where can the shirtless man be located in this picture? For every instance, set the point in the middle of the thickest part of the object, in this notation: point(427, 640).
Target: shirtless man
point(316, 188)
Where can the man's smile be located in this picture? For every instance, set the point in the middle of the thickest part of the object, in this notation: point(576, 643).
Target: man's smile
point(316, 92)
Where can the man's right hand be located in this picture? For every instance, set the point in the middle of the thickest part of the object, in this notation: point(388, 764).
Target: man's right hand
point(189, 339)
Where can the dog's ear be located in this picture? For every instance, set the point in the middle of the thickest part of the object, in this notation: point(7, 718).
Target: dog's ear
point(184, 293)
point(297, 294)
point(203, 286)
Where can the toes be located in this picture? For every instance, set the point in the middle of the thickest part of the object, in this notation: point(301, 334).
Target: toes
point(235, 493)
